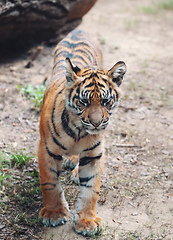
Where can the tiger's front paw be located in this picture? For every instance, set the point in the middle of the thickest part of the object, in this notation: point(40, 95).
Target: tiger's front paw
point(52, 218)
point(75, 175)
point(89, 227)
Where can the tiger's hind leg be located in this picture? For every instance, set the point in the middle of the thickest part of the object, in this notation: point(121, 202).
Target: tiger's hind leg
point(55, 208)
point(85, 219)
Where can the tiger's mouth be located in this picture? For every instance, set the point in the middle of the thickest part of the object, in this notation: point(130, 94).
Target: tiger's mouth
point(89, 128)
point(94, 131)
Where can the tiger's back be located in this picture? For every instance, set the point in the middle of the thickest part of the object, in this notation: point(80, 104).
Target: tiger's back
point(77, 105)
point(81, 49)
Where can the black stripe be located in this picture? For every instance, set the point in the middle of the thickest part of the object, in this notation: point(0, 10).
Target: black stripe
point(59, 62)
point(79, 46)
point(48, 189)
point(91, 148)
point(56, 157)
point(101, 85)
point(79, 131)
point(54, 171)
point(75, 97)
point(72, 45)
point(79, 113)
point(81, 58)
point(84, 135)
point(100, 71)
point(104, 80)
point(94, 74)
point(77, 128)
point(59, 144)
point(47, 183)
point(85, 185)
point(96, 192)
point(85, 160)
point(91, 76)
point(78, 63)
point(61, 192)
point(86, 72)
point(63, 53)
point(56, 142)
point(110, 89)
point(53, 112)
point(69, 96)
point(86, 53)
point(116, 94)
point(86, 179)
point(65, 124)
point(90, 84)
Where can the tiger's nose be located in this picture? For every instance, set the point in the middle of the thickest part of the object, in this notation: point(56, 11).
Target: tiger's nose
point(96, 124)
point(96, 116)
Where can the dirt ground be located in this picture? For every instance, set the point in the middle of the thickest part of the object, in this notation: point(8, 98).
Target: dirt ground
point(136, 199)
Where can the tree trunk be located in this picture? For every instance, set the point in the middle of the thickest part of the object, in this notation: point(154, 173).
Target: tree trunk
point(23, 21)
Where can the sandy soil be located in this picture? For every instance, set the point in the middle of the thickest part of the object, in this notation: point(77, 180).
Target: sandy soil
point(136, 199)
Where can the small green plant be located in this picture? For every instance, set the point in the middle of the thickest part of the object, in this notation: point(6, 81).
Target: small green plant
point(4, 160)
point(51, 237)
point(132, 24)
point(20, 159)
point(15, 159)
point(167, 5)
point(20, 194)
point(35, 94)
point(150, 10)
point(2, 177)
point(157, 8)
point(103, 40)
point(5, 163)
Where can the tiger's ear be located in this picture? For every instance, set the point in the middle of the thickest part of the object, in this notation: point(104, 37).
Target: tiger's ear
point(117, 72)
point(71, 71)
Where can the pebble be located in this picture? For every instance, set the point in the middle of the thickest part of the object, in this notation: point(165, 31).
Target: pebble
point(134, 214)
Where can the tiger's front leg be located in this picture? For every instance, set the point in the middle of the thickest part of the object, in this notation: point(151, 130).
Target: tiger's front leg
point(85, 219)
point(55, 208)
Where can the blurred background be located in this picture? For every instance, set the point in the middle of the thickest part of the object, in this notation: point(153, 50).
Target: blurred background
point(136, 198)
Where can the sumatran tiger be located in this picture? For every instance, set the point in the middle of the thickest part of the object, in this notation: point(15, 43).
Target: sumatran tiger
point(77, 104)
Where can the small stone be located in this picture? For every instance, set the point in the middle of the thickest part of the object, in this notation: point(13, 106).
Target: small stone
point(134, 214)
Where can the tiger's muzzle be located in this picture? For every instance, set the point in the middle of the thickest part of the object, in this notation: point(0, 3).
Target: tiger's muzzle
point(94, 120)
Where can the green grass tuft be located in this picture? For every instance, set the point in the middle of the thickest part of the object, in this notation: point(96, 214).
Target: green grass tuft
point(4, 160)
point(167, 5)
point(35, 94)
point(20, 159)
point(21, 196)
point(158, 7)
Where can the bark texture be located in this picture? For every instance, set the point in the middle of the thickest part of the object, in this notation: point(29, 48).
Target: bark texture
point(30, 20)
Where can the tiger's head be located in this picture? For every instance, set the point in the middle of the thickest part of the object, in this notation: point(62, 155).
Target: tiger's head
point(93, 94)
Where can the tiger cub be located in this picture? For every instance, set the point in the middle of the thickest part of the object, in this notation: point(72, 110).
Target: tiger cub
point(77, 105)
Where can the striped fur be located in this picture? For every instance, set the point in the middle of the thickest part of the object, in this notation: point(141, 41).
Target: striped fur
point(77, 105)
